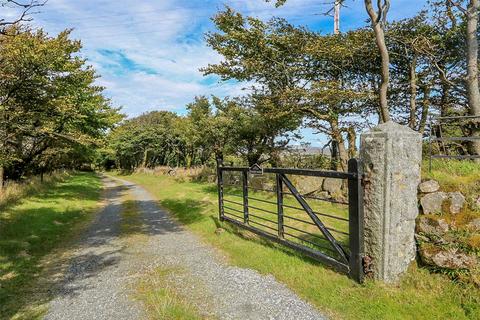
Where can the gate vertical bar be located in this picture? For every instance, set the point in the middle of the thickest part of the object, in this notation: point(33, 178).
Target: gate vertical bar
point(221, 212)
point(355, 203)
point(279, 187)
point(245, 196)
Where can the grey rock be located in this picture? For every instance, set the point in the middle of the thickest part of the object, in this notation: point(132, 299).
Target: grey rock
point(431, 226)
point(477, 203)
point(391, 155)
point(333, 186)
point(219, 231)
point(432, 202)
point(429, 186)
point(457, 201)
point(449, 258)
point(323, 195)
point(309, 185)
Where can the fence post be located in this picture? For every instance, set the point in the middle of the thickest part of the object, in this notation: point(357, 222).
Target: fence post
point(279, 187)
point(355, 208)
point(391, 156)
point(245, 196)
point(221, 212)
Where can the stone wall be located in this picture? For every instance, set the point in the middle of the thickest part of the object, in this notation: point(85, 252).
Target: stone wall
point(448, 230)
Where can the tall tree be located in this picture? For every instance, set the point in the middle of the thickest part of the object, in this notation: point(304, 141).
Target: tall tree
point(48, 99)
point(470, 11)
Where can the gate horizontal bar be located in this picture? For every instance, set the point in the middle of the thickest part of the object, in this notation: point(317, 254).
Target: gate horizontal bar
point(330, 216)
point(233, 214)
point(230, 201)
point(338, 231)
point(301, 172)
point(262, 218)
point(250, 206)
point(261, 200)
point(233, 209)
point(337, 265)
point(316, 198)
point(299, 220)
point(310, 242)
point(263, 225)
point(306, 232)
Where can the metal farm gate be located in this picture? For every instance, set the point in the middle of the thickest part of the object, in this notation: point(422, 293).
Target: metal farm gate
point(326, 227)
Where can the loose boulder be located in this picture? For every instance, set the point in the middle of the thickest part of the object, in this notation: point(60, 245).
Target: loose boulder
point(432, 202)
point(309, 185)
point(332, 185)
point(431, 226)
point(457, 201)
point(449, 258)
point(429, 186)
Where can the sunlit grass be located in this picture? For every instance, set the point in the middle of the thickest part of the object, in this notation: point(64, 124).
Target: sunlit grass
point(420, 295)
point(34, 228)
point(162, 299)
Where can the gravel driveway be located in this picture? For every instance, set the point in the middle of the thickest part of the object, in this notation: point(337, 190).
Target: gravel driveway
point(97, 284)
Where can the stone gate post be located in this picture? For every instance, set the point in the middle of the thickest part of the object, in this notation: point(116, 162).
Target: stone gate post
point(391, 155)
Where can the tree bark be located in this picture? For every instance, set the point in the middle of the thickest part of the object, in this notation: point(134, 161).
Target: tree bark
point(340, 160)
point(425, 109)
point(413, 94)
point(2, 180)
point(473, 91)
point(352, 139)
point(385, 58)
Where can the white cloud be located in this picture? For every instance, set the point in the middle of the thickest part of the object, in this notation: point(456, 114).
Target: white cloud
point(166, 38)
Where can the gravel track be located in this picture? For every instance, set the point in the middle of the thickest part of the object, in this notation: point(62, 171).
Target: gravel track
point(96, 285)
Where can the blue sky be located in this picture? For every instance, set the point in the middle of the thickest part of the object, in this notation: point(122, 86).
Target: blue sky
point(148, 52)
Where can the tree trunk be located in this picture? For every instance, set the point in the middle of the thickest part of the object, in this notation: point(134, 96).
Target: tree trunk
point(413, 94)
point(352, 139)
point(385, 58)
point(473, 91)
point(2, 180)
point(425, 109)
point(340, 159)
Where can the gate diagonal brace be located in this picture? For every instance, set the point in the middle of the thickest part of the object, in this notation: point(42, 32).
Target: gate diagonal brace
point(315, 219)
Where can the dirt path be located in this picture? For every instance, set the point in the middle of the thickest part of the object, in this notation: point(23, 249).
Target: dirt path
point(106, 264)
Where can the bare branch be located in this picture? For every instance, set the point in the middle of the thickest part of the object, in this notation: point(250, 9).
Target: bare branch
point(26, 11)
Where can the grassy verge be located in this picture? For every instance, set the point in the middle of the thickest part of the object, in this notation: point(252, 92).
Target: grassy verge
point(454, 175)
point(420, 295)
point(31, 231)
point(12, 192)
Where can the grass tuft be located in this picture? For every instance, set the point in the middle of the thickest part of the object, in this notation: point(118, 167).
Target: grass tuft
point(162, 300)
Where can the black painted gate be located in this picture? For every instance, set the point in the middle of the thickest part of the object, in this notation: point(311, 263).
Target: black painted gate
point(326, 227)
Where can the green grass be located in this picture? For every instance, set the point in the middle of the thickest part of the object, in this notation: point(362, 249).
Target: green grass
point(454, 175)
point(162, 300)
point(33, 229)
point(420, 295)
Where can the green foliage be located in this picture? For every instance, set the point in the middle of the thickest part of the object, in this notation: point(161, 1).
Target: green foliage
point(51, 111)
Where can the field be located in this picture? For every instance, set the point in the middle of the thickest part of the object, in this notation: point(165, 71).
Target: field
point(420, 294)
